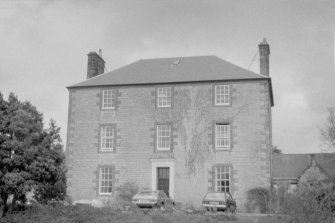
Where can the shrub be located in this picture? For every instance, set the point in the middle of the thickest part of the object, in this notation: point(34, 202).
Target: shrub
point(310, 203)
point(278, 198)
point(258, 200)
point(127, 190)
point(52, 191)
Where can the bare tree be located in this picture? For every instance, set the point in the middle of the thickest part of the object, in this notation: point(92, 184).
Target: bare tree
point(328, 131)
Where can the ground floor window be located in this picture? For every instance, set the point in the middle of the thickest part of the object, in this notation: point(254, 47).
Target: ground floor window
point(222, 179)
point(105, 180)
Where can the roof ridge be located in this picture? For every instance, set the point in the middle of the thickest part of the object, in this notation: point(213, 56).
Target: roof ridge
point(175, 57)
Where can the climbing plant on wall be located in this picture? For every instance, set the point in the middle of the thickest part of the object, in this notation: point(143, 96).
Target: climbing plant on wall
point(192, 116)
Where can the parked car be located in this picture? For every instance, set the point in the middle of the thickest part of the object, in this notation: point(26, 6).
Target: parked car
point(152, 199)
point(216, 201)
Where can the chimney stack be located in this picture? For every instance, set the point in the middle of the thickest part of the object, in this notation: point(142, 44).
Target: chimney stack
point(95, 64)
point(264, 52)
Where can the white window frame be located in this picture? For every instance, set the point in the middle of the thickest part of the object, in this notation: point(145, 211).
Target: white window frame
point(105, 181)
point(164, 97)
point(108, 99)
point(221, 176)
point(107, 138)
point(163, 134)
point(222, 94)
point(222, 134)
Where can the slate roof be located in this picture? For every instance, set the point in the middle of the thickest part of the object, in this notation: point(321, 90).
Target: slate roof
point(327, 162)
point(289, 166)
point(172, 70)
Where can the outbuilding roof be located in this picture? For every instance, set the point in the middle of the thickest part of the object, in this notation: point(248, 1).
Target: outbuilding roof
point(172, 70)
point(291, 166)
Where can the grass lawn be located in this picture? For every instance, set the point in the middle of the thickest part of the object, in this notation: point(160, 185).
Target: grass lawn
point(83, 214)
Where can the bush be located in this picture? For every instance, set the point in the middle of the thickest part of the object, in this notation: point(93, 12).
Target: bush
point(258, 200)
point(310, 203)
point(87, 214)
point(127, 190)
point(52, 191)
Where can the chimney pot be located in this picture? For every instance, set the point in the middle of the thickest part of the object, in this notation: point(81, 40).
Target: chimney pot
point(95, 64)
point(264, 52)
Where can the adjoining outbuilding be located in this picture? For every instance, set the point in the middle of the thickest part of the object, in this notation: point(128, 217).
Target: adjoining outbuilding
point(290, 170)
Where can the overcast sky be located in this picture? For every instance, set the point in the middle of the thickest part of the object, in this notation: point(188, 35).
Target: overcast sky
point(44, 46)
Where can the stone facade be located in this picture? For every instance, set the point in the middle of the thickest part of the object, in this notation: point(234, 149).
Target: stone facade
point(193, 157)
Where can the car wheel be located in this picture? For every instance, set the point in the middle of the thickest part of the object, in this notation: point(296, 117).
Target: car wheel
point(169, 207)
point(162, 207)
point(232, 209)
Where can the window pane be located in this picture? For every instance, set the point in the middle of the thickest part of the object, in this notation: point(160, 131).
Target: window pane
point(164, 97)
point(222, 95)
point(222, 179)
point(105, 181)
point(222, 135)
point(163, 137)
point(109, 97)
point(107, 137)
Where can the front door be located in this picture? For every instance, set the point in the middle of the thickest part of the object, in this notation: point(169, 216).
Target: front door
point(163, 180)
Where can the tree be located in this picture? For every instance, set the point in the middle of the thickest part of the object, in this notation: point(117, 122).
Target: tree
point(30, 156)
point(51, 185)
point(328, 131)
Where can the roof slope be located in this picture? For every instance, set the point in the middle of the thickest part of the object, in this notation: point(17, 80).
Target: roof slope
point(289, 166)
point(327, 162)
point(293, 165)
point(172, 70)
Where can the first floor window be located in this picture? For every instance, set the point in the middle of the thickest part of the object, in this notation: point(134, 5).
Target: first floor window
point(108, 99)
point(163, 137)
point(222, 136)
point(222, 179)
point(107, 138)
point(105, 180)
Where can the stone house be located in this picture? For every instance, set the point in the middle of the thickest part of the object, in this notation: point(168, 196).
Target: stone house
point(290, 170)
point(185, 125)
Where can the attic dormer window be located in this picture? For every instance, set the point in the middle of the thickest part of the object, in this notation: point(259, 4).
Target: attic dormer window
point(164, 97)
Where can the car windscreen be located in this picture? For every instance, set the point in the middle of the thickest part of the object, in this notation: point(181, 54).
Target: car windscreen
point(215, 196)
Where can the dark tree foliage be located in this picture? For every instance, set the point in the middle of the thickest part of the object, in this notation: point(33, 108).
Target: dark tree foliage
point(31, 158)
